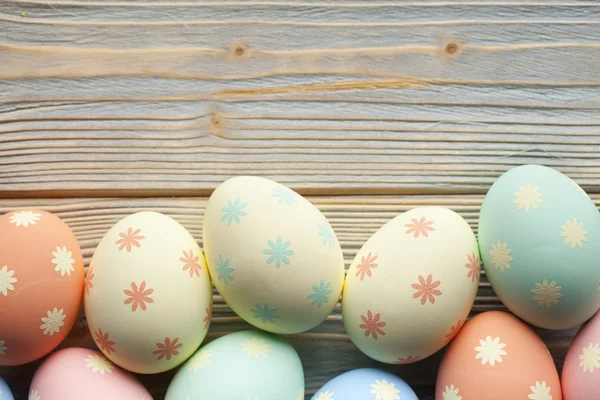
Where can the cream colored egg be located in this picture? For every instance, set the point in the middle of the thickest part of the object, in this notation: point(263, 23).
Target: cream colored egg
point(412, 285)
point(272, 255)
point(148, 294)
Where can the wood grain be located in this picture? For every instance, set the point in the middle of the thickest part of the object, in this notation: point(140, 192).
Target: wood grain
point(326, 351)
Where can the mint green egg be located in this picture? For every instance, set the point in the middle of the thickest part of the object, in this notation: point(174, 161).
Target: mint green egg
point(539, 237)
point(247, 365)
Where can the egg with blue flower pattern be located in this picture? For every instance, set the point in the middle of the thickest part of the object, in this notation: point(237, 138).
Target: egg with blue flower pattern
point(539, 235)
point(272, 255)
point(366, 384)
point(5, 393)
point(246, 365)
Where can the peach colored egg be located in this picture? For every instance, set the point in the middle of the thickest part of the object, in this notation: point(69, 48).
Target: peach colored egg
point(76, 373)
point(496, 356)
point(41, 284)
point(581, 370)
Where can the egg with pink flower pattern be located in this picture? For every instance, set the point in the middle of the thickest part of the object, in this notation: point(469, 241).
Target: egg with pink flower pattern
point(148, 295)
point(412, 285)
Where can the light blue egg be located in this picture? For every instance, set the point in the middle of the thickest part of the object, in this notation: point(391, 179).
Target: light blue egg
point(366, 384)
point(539, 237)
point(5, 393)
point(247, 365)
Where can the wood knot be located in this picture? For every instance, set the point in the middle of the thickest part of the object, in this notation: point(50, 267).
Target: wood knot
point(451, 48)
point(216, 124)
point(239, 52)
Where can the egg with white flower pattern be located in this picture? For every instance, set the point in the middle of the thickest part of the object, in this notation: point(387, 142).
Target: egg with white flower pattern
point(245, 365)
point(41, 284)
point(366, 383)
point(539, 235)
point(76, 373)
point(412, 285)
point(272, 255)
point(496, 356)
point(5, 393)
point(148, 295)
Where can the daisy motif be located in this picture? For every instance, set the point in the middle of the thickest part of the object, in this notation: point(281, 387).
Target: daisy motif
point(451, 393)
point(284, 195)
point(372, 325)
point(87, 282)
point(490, 351)
point(190, 261)
point(33, 395)
point(321, 294)
point(540, 391)
point(426, 289)
point(545, 293)
point(234, 211)
point(24, 218)
point(500, 256)
point(138, 296)
point(63, 261)
point(327, 234)
point(103, 341)
point(300, 394)
point(365, 266)
point(384, 390)
point(99, 364)
point(527, 197)
point(224, 270)
point(3, 348)
point(53, 322)
point(6, 280)
point(265, 313)
point(407, 360)
point(278, 252)
point(208, 317)
point(473, 266)
point(200, 360)
point(419, 227)
point(327, 395)
point(454, 330)
point(168, 348)
point(256, 348)
point(590, 357)
point(574, 233)
point(129, 239)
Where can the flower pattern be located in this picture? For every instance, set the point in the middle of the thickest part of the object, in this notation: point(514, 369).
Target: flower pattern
point(87, 282)
point(200, 360)
point(419, 227)
point(224, 270)
point(590, 357)
point(527, 197)
point(138, 297)
point(7, 279)
point(3, 348)
point(300, 394)
point(540, 391)
point(365, 266)
point(490, 351)
point(234, 211)
point(33, 395)
point(284, 195)
point(99, 364)
point(129, 239)
point(24, 218)
point(208, 317)
point(256, 348)
point(407, 360)
point(453, 331)
point(278, 252)
point(384, 390)
point(426, 289)
point(104, 342)
point(168, 348)
point(321, 293)
point(53, 321)
point(327, 234)
point(451, 393)
point(63, 261)
point(265, 314)
point(501, 256)
point(574, 233)
point(190, 262)
point(474, 267)
point(327, 395)
point(372, 325)
point(545, 293)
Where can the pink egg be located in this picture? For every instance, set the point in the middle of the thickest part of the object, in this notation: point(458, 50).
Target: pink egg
point(76, 373)
point(581, 370)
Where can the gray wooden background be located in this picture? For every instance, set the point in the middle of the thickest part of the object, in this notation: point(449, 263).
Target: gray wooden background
point(368, 107)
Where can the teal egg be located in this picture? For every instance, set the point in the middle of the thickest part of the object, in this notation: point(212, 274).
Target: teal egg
point(246, 365)
point(539, 237)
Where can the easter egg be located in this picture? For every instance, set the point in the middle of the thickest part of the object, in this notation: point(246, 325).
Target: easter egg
point(539, 235)
point(272, 255)
point(581, 368)
point(41, 284)
point(76, 373)
point(495, 356)
point(148, 294)
point(412, 285)
point(239, 366)
point(5, 393)
point(363, 384)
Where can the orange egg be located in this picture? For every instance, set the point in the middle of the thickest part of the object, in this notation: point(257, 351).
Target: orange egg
point(41, 284)
point(496, 356)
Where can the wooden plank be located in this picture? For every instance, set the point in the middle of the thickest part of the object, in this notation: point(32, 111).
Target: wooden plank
point(326, 351)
